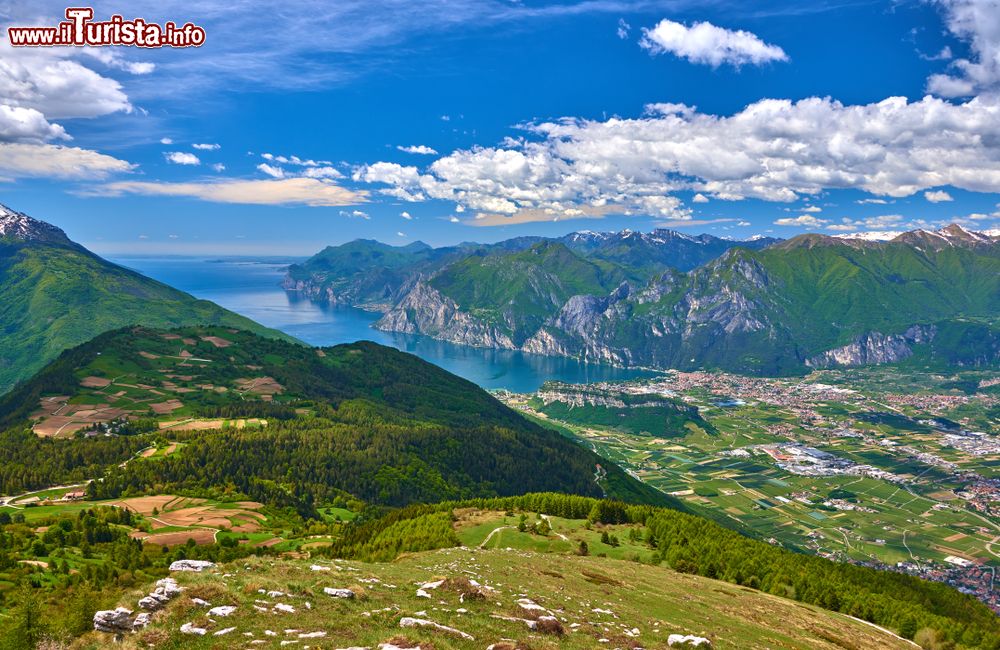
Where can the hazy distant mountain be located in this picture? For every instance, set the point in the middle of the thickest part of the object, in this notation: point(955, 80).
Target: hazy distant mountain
point(55, 294)
point(644, 254)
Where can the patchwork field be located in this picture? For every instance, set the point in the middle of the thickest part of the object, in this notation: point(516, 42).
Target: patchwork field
point(165, 376)
point(848, 470)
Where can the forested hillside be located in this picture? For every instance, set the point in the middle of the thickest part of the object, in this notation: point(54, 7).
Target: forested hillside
point(362, 419)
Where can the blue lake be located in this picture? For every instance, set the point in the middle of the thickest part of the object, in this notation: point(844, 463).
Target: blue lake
point(253, 289)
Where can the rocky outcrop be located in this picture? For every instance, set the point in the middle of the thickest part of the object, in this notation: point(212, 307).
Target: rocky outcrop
point(688, 641)
point(114, 621)
point(874, 348)
point(191, 565)
point(120, 621)
point(165, 591)
point(425, 310)
point(409, 621)
point(338, 592)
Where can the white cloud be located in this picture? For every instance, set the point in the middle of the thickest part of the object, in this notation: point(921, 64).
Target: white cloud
point(421, 149)
point(166, 141)
point(705, 43)
point(322, 172)
point(699, 198)
point(19, 160)
point(811, 208)
point(406, 215)
point(182, 158)
point(773, 150)
point(113, 59)
point(976, 22)
point(273, 172)
point(206, 147)
point(400, 234)
point(18, 124)
point(306, 168)
point(287, 191)
point(802, 221)
point(888, 225)
point(872, 202)
point(884, 222)
point(219, 167)
point(355, 214)
point(938, 196)
point(294, 160)
point(623, 29)
point(55, 85)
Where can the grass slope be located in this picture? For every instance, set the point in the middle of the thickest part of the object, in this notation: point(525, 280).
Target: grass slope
point(624, 603)
point(56, 295)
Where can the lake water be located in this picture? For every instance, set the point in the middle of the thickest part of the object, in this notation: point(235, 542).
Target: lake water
point(253, 289)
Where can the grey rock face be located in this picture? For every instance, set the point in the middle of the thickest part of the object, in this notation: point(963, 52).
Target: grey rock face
point(874, 348)
point(425, 310)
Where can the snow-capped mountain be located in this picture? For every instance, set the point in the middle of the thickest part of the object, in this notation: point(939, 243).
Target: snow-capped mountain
point(19, 226)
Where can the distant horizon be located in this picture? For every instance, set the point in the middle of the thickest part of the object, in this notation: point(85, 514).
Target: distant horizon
point(269, 252)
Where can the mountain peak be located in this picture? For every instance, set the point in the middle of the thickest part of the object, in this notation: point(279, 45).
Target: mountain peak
point(19, 226)
point(957, 232)
point(952, 235)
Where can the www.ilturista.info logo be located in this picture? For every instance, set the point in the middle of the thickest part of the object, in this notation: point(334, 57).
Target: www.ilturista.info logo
point(79, 29)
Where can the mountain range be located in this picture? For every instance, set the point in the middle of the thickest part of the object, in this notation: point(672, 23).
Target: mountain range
point(57, 294)
point(664, 299)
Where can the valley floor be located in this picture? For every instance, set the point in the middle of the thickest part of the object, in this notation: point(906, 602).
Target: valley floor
point(882, 467)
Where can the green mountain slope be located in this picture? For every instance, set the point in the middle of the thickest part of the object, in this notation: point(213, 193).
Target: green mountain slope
point(520, 290)
point(812, 301)
point(359, 419)
point(54, 294)
point(361, 272)
point(828, 293)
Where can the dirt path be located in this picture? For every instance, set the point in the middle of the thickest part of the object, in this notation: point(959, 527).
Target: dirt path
point(559, 535)
point(492, 533)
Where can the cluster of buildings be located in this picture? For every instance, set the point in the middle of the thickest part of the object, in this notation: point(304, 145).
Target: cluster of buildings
point(973, 442)
point(977, 580)
point(802, 460)
point(983, 495)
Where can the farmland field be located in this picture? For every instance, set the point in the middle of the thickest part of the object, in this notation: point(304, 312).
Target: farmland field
point(838, 464)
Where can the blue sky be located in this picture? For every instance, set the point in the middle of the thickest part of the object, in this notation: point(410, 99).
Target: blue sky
point(519, 118)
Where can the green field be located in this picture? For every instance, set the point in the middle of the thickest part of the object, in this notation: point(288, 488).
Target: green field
point(917, 519)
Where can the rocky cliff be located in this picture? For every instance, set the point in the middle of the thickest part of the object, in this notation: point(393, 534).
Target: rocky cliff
point(874, 348)
point(425, 310)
